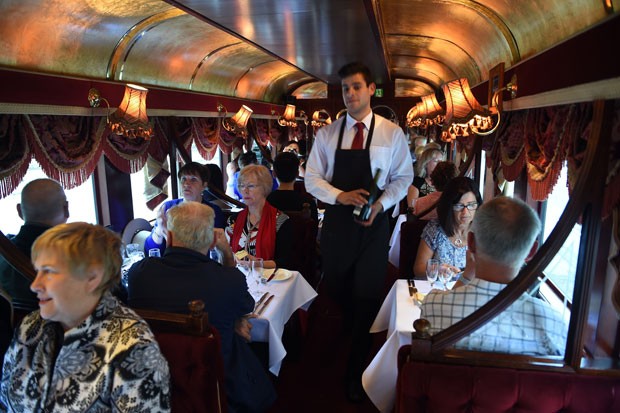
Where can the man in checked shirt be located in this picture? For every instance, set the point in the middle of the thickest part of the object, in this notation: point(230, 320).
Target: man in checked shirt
point(502, 238)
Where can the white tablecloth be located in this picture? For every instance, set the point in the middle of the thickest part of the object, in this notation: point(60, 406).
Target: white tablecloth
point(394, 254)
point(396, 315)
point(289, 295)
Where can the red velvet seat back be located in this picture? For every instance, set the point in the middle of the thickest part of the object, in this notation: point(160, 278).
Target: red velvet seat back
point(410, 233)
point(304, 252)
point(196, 370)
point(437, 388)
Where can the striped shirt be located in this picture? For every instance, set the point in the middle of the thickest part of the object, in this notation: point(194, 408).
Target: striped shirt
point(529, 326)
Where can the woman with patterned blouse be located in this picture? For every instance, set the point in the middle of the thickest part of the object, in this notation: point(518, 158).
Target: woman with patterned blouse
point(446, 237)
point(82, 351)
point(260, 229)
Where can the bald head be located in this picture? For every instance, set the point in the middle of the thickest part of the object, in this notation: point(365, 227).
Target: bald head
point(43, 202)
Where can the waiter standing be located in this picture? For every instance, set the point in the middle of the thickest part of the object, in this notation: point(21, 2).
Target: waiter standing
point(344, 159)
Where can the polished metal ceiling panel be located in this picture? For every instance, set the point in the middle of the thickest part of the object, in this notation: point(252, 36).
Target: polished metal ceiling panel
point(268, 49)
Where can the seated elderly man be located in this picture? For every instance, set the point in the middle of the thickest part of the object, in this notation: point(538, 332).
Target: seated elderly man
point(502, 237)
point(184, 273)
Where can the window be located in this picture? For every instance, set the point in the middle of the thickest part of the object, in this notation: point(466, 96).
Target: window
point(138, 182)
point(561, 270)
point(81, 202)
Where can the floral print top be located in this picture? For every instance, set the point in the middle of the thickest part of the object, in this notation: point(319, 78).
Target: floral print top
point(443, 249)
point(109, 363)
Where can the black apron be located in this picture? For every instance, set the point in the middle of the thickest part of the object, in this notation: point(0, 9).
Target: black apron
point(354, 257)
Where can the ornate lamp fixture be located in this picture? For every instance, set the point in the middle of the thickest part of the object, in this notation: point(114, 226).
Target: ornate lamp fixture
point(426, 113)
point(320, 118)
point(288, 119)
point(238, 123)
point(464, 115)
point(130, 118)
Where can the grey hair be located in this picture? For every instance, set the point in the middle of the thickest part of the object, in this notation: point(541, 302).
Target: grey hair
point(505, 230)
point(192, 225)
point(263, 177)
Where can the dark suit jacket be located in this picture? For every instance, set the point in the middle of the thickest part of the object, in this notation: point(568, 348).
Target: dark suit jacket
point(286, 200)
point(181, 275)
point(13, 282)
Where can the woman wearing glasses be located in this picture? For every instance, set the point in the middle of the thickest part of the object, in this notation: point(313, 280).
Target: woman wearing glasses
point(445, 238)
point(260, 229)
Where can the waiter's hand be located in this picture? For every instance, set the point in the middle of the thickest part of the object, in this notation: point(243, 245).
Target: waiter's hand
point(376, 208)
point(357, 197)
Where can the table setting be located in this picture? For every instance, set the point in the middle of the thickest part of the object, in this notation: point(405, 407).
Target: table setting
point(278, 293)
point(399, 310)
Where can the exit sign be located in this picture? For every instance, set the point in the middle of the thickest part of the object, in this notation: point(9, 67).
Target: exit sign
point(379, 92)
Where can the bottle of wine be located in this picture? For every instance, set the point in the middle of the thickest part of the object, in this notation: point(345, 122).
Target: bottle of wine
point(362, 213)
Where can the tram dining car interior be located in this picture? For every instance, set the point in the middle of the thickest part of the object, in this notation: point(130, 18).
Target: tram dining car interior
point(545, 75)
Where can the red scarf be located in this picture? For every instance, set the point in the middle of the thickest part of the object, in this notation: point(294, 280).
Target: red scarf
point(266, 237)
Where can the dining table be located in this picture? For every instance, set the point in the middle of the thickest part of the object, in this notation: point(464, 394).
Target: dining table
point(396, 315)
point(285, 293)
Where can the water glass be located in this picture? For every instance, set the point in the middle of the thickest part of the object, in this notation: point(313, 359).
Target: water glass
point(257, 269)
point(445, 275)
point(134, 250)
point(432, 270)
point(154, 252)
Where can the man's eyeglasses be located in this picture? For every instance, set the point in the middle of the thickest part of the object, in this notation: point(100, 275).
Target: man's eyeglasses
point(249, 187)
point(472, 206)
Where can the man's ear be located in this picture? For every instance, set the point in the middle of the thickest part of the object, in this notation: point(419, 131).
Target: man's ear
point(372, 87)
point(19, 211)
point(532, 252)
point(66, 210)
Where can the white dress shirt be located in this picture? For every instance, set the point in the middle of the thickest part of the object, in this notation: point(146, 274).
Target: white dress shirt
point(388, 151)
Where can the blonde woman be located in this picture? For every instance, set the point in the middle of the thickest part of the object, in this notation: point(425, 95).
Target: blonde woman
point(422, 184)
point(82, 350)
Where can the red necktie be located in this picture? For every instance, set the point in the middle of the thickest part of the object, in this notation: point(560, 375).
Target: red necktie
point(358, 140)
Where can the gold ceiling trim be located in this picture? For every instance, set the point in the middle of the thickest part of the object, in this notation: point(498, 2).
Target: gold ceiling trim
point(497, 21)
point(204, 59)
point(132, 35)
point(471, 58)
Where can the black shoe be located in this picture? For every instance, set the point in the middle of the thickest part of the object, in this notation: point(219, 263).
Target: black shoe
point(355, 391)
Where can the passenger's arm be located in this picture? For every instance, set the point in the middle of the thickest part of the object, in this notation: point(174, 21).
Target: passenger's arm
point(425, 253)
point(412, 194)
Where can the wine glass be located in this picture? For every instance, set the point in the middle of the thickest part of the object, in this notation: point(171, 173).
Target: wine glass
point(445, 275)
point(432, 271)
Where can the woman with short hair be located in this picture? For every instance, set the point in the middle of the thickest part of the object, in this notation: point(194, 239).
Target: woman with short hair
point(261, 230)
point(82, 351)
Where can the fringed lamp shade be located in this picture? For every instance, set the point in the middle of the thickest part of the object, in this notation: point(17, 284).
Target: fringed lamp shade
point(288, 119)
point(461, 105)
point(320, 118)
point(242, 116)
point(130, 118)
point(431, 105)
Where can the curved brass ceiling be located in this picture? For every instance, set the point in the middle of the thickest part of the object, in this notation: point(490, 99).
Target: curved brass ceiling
point(267, 49)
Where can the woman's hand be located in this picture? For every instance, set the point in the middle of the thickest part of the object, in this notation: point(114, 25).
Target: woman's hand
point(160, 231)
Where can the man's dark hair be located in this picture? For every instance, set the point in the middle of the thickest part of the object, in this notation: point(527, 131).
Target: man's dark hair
point(247, 158)
point(286, 166)
point(354, 68)
point(442, 174)
point(196, 169)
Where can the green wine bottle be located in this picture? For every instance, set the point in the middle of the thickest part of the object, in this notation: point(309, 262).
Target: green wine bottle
point(362, 213)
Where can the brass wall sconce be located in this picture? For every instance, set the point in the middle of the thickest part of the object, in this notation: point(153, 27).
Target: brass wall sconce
point(320, 118)
point(426, 113)
point(464, 115)
point(130, 119)
point(237, 124)
point(288, 119)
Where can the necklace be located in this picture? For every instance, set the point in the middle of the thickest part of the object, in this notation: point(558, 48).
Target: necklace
point(458, 241)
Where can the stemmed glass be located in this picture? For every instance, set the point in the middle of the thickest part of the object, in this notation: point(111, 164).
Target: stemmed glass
point(445, 275)
point(432, 271)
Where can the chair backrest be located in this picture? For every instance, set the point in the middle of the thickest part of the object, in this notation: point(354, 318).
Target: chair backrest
point(193, 350)
point(410, 233)
point(304, 251)
point(422, 386)
point(133, 227)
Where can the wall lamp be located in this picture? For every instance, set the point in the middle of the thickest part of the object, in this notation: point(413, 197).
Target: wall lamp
point(238, 123)
point(426, 113)
point(288, 119)
point(320, 118)
point(130, 118)
point(464, 115)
